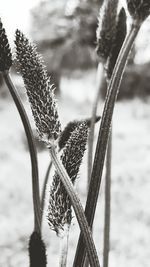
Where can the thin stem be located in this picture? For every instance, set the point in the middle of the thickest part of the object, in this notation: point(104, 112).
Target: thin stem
point(32, 150)
point(107, 207)
point(44, 189)
point(75, 201)
point(93, 117)
point(96, 177)
point(64, 248)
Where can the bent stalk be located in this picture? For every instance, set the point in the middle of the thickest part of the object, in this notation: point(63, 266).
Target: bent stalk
point(32, 150)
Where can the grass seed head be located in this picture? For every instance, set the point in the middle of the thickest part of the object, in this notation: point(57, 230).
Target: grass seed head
point(39, 89)
point(139, 9)
point(59, 210)
point(70, 127)
point(121, 30)
point(106, 28)
point(5, 51)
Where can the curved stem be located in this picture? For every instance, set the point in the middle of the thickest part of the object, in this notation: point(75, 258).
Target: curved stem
point(32, 149)
point(103, 137)
point(44, 189)
point(85, 230)
point(107, 203)
point(64, 248)
point(93, 117)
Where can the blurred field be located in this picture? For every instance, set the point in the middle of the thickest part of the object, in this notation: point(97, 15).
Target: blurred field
point(130, 188)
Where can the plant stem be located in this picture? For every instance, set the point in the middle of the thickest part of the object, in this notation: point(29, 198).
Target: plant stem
point(93, 117)
point(32, 150)
point(64, 248)
point(44, 189)
point(107, 203)
point(75, 201)
point(95, 182)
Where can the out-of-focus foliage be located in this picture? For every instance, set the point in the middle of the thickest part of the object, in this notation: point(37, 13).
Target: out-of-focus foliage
point(65, 32)
point(135, 83)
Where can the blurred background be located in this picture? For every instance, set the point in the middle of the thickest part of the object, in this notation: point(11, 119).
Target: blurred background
point(65, 34)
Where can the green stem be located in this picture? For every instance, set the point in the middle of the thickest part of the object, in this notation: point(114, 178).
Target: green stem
point(93, 117)
point(75, 201)
point(32, 149)
point(107, 203)
point(112, 93)
point(44, 189)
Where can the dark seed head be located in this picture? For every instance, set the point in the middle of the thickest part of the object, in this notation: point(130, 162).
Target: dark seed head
point(5, 52)
point(139, 9)
point(121, 31)
point(70, 127)
point(106, 29)
point(37, 251)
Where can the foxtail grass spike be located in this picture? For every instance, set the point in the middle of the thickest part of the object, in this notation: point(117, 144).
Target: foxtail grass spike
point(70, 127)
point(59, 210)
point(139, 9)
point(5, 51)
point(39, 89)
point(106, 28)
point(121, 31)
point(37, 251)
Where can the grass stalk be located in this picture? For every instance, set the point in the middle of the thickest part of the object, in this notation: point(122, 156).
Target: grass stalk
point(97, 171)
point(64, 248)
point(93, 118)
point(75, 201)
point(107, 207)
point(32, 150)
point(44, 189)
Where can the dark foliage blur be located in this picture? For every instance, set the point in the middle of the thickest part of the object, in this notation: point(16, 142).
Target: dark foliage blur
point(135, 82)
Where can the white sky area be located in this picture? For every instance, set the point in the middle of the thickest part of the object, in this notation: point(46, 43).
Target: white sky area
point(16, 14)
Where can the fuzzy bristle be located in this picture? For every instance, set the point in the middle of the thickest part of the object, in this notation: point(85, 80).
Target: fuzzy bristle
point(59, 210)
point(37, 251)
point(139, 9)
point(39, 89)
point(5, 51)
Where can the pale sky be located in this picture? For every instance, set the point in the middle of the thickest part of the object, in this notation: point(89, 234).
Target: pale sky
point(16, 14)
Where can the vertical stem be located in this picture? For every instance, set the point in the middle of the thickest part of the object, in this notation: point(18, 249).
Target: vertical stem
point(93, 117)
point(44, 189)
point(32, 149)
point(97, 171)
point(64, 248)
point(107, 208)
point(75, 201)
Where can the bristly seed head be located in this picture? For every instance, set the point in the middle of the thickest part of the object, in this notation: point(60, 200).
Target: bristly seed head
point(59, 210)
point(121, 30)
point(70, 127)
point(39, 89)
point(139, 9)
point(106, 28)
point(5, 52)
